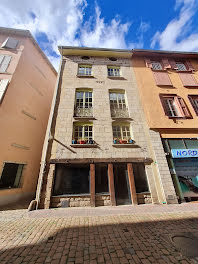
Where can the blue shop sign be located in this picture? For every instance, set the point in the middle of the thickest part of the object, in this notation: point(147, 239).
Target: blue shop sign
point(184, 153)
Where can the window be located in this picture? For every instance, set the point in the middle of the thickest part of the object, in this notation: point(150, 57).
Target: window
point(113, 71)
point(10, 43)
point(11, 175)
point(83, 131)
point(71, 179)
point(84, 70)
point(194, 101)
point(174, 106)
point(4, 62)
point(141, 183)
point(118, 104)
point(181, 66)
point(3, 86)
point(83, 99)
point(156, 65)
point(101, 178)
point(121, 131)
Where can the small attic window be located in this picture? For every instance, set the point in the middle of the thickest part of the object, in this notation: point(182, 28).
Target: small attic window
point(112, 59)
point(10, 43)
point(85, 57)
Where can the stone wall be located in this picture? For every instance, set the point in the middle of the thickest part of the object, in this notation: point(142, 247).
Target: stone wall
point(103, 200)
point(70, 201)
point(144, 198)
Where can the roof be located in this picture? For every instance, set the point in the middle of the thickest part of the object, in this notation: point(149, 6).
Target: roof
point(88, 51)
point(27, 34)
point(146, 52)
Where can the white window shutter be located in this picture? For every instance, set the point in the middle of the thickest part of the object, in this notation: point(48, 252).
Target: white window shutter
point(10, 43)
point(5, 63)
point(3, 87)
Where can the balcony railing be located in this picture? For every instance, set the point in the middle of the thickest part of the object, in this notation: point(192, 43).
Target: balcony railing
point(83, 112)
point(119, 113)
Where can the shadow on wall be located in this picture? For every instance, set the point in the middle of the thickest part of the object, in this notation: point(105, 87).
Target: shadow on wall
point(96, 239)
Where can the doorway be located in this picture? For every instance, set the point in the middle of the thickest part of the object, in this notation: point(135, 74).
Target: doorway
point(122, 189)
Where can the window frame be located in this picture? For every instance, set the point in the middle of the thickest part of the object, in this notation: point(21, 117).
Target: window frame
point(85, 66)
point(116, 105)
point(114, 68)
point(84, 91)
point(122, 125)
point(193, 104)
point(153, 63)
point(83, 125)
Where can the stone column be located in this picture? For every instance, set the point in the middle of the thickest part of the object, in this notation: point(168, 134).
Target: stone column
point(111, 184)
point(132, 184)
point(50, 179)
point(92, 185)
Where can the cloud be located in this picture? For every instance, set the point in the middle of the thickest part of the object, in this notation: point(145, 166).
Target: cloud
point(62, 21)
point(178, 33)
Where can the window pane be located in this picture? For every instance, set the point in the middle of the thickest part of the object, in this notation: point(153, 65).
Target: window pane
point(176, 144)
point(140, 178)
point(191, 143)
point(11, 175)
point(101, 178)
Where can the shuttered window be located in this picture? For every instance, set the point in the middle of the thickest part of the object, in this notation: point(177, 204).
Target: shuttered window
point(4, 62)
point(188, 79)
point(194, 101)
point(10, 43)
point(156, 65)
point(3, 87)
point(174, 106)
point(162, 78)
point(181, 66)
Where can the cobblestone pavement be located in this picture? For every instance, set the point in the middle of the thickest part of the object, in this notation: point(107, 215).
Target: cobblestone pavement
point(123, 234)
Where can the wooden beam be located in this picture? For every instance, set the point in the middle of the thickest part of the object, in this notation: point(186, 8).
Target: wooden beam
point(50, 179)
point(132, 184)
point(97, 160)
point(92, 185)
point(111, 184)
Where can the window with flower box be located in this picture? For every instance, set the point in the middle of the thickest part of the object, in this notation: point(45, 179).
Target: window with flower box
point(82, 133)
point(113, 71)
point(84, 70)
point(118, 104)
point(83, 103)
point(121, 133)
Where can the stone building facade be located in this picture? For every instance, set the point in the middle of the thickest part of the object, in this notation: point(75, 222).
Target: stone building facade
point(99, 149)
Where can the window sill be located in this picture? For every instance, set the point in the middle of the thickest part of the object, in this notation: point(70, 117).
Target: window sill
point(83, 145)
point(191, 86)
point(84, 76)
point(128, 145)
point(121, 118)
point(116, 77)
point(179, 117)
point(165, 85)
point(71, 195)
point(159, 70)
point(84, 117)
point(187, 71)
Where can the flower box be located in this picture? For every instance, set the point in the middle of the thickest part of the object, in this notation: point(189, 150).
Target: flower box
point(82, 142)
point(123, 141)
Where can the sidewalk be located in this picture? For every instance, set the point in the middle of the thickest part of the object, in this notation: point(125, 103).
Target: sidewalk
point(123, 234)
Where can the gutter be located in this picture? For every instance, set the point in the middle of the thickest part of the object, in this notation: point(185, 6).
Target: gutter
point(34, 203)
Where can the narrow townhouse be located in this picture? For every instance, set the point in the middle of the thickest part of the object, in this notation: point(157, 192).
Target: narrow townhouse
point(27, 81)
point(96, 150)
point(168, 86)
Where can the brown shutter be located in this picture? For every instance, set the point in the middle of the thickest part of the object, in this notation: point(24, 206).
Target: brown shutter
point(189, 66)
point(166, 63)
point(184, 108)
point(188, 79)
point(193, 104)
point(173, 64)
point(162, 99)
point(162, 78)
point(148, 63)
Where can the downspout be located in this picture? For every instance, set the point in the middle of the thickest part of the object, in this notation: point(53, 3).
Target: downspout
point(34, 203)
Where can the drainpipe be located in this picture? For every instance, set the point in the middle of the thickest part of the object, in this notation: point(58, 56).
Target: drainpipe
point(34, 203)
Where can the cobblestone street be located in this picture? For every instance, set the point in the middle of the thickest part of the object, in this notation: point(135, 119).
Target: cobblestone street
point(123, 234)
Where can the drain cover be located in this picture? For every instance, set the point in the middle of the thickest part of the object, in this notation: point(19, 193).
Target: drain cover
point(186, 243)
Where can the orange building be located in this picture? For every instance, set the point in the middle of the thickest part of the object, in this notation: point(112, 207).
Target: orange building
point(168, 86)
point(27, 81)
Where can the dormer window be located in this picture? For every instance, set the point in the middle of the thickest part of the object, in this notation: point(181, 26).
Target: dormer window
point(156, 65)
point(181, 66)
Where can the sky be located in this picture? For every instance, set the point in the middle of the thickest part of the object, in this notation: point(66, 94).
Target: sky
point(126, 24)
